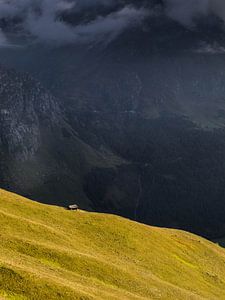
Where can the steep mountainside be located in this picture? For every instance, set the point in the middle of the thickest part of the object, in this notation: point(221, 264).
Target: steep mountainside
point(47, 252)
point(39, 149)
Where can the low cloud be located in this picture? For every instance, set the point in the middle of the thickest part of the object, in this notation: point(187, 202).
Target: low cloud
point(186, 12)
point(111, 25)
point(43, 19)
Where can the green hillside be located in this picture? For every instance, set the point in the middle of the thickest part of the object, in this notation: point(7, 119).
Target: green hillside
point(50, 253)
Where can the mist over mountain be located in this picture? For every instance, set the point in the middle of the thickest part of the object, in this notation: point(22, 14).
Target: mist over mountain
point(135, 102)
point(70, 21)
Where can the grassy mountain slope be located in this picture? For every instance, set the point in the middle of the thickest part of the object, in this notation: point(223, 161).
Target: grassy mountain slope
point(50, 253)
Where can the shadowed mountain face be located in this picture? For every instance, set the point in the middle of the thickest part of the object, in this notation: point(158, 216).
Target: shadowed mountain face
point(41, 155)
point(137, 128)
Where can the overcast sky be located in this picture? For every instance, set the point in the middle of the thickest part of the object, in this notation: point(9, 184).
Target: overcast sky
point(40, 18)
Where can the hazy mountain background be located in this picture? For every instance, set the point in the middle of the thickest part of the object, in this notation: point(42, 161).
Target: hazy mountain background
point(126, 112)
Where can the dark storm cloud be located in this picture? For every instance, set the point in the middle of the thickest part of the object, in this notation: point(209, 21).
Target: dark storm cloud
point(41, 18)
point(186, 11)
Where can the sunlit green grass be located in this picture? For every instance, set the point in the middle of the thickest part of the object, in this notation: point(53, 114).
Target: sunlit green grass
point(48, 252)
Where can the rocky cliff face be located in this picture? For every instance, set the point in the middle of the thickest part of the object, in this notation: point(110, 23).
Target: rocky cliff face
point(41, 155)
point(24, 108)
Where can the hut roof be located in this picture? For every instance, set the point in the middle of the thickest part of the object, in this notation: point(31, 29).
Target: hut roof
point(73, 206)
